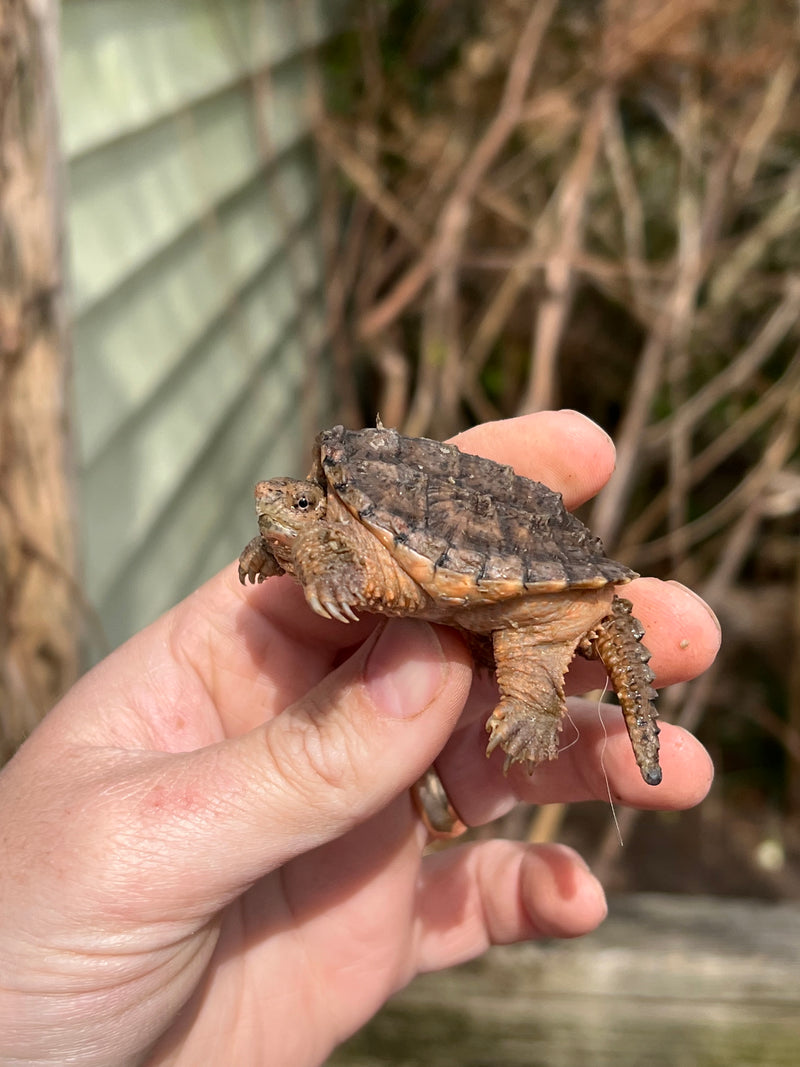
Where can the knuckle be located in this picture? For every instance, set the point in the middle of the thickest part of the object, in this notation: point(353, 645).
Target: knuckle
point(315, 751)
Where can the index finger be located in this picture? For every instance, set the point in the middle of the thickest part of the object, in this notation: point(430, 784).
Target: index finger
point(563, 449)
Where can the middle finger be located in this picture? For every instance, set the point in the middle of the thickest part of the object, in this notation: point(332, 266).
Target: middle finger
point(595, 759)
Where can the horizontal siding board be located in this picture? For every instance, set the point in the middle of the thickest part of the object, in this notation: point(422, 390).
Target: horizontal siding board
point(157, 453)
point(131, 200)
point(131, 343)
point(195, 276)
point(192, 538)
point(129, 63)
point(236, 335)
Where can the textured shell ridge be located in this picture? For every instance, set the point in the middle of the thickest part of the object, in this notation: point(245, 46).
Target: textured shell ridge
point(462, 520)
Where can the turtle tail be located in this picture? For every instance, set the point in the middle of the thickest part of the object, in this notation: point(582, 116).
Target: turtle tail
point(617, 643)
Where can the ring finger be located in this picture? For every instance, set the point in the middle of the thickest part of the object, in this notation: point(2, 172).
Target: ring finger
point(595, 759)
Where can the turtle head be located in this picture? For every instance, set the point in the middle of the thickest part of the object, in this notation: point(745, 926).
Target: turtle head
point(285, 507)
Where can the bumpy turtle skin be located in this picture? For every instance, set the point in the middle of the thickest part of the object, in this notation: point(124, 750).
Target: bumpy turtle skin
point(527, 722)
point(617, 643)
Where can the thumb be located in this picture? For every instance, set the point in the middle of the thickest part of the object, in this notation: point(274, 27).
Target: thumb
point(326, 763)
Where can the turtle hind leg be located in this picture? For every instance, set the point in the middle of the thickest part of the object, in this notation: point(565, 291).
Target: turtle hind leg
point(530, 676)
point(617, 643)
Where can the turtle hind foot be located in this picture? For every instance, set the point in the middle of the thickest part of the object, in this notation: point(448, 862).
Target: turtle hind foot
point(524, 736)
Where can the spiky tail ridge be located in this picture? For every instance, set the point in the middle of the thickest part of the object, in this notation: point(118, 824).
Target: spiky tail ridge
point(617, 643)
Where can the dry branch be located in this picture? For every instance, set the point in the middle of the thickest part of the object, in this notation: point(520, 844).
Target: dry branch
point(39, 608)
point(595, 206)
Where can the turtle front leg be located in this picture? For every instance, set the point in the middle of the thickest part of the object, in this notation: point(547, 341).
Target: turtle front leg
point(343, 570)
point(530, 675)
point(256, 562)
point(617, 643)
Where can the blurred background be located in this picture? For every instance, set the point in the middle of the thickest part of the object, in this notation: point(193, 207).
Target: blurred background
point(597, 206)
point(229, 223)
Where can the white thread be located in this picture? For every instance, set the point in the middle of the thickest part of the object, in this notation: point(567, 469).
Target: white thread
point(603, 766)
point(574, 726)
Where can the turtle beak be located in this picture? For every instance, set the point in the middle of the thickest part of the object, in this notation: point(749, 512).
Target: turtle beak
point(274, 509)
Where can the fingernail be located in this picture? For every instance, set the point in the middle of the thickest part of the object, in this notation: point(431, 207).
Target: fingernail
point(405, 669)
point(697, 599)
point(592, 423)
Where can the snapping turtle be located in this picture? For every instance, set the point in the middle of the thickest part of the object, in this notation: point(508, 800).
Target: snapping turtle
point(408, 526)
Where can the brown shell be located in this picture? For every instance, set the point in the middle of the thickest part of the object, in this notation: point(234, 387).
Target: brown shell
point(461, 525)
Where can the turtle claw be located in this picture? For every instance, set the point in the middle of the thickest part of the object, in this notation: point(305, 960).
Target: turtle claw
point(256, 562)
point(315, 605)
point(524, 737)
point(340, 612)
point(329, 608)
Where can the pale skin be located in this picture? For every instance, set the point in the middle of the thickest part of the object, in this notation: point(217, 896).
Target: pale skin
point(209, 850)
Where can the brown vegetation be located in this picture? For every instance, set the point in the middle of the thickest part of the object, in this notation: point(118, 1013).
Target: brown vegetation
point(598, 206)
point(39, 600)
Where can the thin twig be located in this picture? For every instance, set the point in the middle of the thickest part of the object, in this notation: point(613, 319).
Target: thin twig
point(608, 511)
point(781, 445)
point(630, 203)
point(366, 179)
point(721, 448)
point(554, 309)
point(782, 218)
point(441, 355)
point(689, 271)
point(739, 371)
point(756, 140)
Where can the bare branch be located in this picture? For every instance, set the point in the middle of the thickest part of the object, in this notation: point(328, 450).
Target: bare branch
point(440, 349)
point(739, 371)
point(559, 271)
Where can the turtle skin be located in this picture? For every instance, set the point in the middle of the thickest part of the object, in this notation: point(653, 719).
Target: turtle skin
point(408, 526)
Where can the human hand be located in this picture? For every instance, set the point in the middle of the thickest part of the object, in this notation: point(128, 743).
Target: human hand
point(210, 854)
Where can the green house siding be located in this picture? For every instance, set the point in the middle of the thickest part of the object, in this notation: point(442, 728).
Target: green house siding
point(195, 279)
